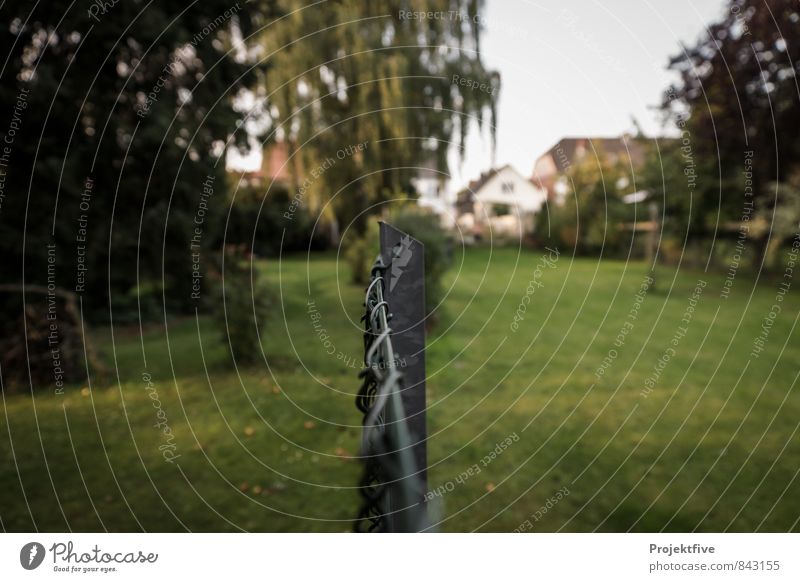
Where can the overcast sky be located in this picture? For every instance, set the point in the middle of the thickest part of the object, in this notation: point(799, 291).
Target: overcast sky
point(579, 68)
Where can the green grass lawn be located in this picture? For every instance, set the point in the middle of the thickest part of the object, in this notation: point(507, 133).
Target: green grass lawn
point(713, 445)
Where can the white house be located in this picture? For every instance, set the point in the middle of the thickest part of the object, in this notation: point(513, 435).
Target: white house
point(432, 188)
point(501, 203)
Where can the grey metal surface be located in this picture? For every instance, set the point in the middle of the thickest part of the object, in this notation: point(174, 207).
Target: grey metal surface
point(392, 394)
point(404, 257)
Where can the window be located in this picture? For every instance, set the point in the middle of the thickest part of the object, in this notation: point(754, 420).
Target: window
point(507, 187)
point(501, 209)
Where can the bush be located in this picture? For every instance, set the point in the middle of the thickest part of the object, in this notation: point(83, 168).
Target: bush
point(260, 224)
point(243, 306)
point(361, 252)
point(42, 341)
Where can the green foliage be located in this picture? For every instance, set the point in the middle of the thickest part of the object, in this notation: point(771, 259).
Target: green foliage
point(242, 307)
point(593, 218)
point(256, 221)
point(141, 100)
point(735, 99)
point(782, 215)
point(366, 74)
point(361, 251)
point(687, 207)
point(36, 363)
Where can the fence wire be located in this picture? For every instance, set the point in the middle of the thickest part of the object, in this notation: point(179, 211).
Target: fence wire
point(392, 492)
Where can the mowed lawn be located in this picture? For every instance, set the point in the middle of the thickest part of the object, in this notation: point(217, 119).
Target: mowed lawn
point(712, 446)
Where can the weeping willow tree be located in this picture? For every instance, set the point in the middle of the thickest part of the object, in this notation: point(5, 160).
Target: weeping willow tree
point(366, 93)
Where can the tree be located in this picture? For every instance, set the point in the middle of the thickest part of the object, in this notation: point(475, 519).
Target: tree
point(594, 217)
point(116, 120)
point(138, 104)
point(783, 216)
point(735, 100)
point(364, 94)
point(244, 303)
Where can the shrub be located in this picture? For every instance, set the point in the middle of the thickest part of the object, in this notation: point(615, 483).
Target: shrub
point(43, 343)
point(256, 220)
point(243, 306)
point(361, 252)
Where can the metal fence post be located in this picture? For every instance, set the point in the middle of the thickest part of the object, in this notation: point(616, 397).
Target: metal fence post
point(404, 257)
point(392, 396)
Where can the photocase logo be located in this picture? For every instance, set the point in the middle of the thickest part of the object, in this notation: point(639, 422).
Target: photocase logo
point(31, 555)
point(401, 255)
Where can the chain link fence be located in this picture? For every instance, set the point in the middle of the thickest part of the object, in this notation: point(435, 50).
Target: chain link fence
point(391, 486)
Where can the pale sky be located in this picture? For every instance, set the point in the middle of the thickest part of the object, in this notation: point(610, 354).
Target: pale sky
point(578, 67)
